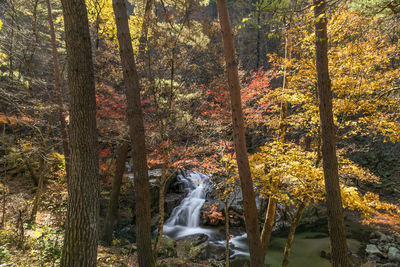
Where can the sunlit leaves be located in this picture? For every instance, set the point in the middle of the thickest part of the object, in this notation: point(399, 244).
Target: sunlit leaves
point(101, 15)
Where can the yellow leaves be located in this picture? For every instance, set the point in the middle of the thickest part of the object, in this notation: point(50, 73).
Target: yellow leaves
point(367, 204)
point(1, 24)
point(101, 15)
point(290, 168)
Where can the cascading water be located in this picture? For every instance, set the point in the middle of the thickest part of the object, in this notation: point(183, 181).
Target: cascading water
point(185, 218)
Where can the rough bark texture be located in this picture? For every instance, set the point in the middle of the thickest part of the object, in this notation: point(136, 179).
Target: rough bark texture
point(137, 134)
point(57, 91)
point(249, 203)
point(81, 230)
point(289, 241)
point(114, 198)
point(337, 230)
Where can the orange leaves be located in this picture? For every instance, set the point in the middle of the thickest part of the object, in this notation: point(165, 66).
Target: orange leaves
point(14, 119)
point(212, 213)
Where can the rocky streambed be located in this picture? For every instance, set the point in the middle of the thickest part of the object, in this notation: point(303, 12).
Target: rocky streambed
point(192, 238)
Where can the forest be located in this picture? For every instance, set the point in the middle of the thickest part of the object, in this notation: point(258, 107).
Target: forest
point(200, 133)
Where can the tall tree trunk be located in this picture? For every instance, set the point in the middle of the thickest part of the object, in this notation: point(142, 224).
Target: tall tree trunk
point(137, 134)
point(337, 230)
point(289, 241)
point(57, 91)
point(116, 186)
point(249, 203)
point(81, 227)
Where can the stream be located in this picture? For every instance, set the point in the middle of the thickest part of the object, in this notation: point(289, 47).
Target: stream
point(185, 221)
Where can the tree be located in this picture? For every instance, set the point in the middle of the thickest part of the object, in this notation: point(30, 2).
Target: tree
point(249, 203)
point(81, 233)
point(122, 154)
point(337, 230)
point(137, 134)
point(57, 89)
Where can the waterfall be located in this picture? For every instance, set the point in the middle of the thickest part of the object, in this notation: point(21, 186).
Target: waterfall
point(185, 218)
point(188, 212)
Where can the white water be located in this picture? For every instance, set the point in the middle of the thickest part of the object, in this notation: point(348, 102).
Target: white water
point(185, 218)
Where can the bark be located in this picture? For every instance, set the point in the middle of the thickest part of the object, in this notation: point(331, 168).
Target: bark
point(269, 222)
point(137, 134)
point(39, 190)
point(337, 230)
point(289, 241)
point(249, 203)
point(81, 227)
point(114, 198)
point(58, 91)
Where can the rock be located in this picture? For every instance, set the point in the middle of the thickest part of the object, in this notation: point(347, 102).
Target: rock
point(394, 254)
point(373, 241)
point(186, 243)
point(172, 200)
point(373, 250)
point(380, 236)
point(167, 248)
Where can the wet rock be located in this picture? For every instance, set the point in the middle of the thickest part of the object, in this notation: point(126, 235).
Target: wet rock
point(394, 254)
point(188, 242)
point(171, 201)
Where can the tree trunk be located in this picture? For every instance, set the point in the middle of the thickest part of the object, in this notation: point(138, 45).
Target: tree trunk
point(249, 203)
point(137, 134)
point(337, 230)
point(81, 227)
point(269, 222)
point(116, 186)
point(58, 92)
point(39, 190)
point(272, 202)
point(289, 241)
